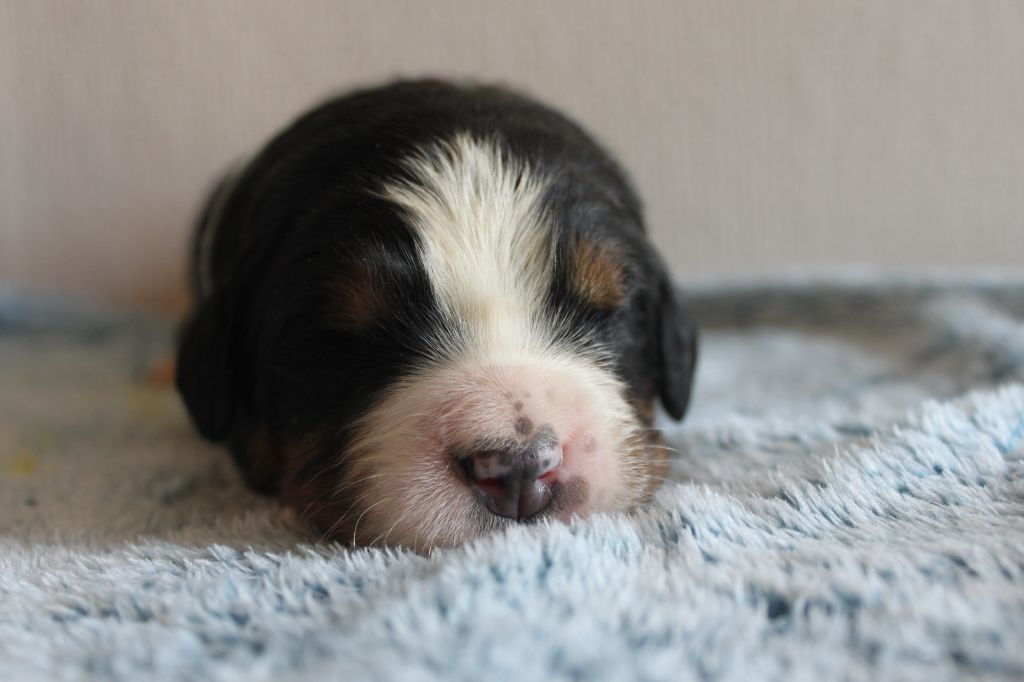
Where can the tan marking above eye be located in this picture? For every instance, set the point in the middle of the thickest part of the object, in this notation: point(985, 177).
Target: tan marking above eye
point(596, 274)
point(358, 296)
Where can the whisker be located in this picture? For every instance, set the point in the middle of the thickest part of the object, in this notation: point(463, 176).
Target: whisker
point(355, 529)
point(401, 517)
point(353, 507)
point(351, 484)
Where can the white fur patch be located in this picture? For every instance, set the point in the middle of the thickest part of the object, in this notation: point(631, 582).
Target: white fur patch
point(486, 248)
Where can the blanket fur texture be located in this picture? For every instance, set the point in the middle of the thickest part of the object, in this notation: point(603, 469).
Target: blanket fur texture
point(847, 502)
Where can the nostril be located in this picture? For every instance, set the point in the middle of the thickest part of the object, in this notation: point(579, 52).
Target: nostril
point(525, 463)
point(487, 465)
point(548, 477)
point(514, 483)
point(493, 487)
point(548, 461)
point(515, 498)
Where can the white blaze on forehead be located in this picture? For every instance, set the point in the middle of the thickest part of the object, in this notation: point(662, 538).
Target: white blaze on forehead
point(485, 245)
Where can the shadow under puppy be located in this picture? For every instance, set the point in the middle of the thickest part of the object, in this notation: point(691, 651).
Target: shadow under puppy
point(428, 310)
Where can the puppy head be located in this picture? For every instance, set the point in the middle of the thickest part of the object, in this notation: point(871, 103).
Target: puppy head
point(481, 344)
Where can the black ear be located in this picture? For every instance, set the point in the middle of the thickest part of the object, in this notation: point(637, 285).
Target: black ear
point(203, 375)
point(678, 350)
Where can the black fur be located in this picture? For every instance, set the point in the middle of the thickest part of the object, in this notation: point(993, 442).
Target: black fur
point(261, 364)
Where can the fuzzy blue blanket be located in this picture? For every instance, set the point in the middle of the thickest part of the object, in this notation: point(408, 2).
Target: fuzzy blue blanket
point(848, 504)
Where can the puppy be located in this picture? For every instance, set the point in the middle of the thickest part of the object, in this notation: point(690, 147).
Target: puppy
point(427, 311)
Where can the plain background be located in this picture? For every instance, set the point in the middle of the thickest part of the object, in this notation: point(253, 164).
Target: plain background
point(764, 136)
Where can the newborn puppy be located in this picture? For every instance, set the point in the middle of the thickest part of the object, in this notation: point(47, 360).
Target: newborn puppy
point(426, 311)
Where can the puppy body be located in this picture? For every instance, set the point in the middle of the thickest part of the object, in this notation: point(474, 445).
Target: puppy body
point(428, 310)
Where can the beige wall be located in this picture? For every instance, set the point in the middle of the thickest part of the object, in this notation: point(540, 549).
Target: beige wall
point(763, 135)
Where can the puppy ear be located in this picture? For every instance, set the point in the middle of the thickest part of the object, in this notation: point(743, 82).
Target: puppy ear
point(678, 350)
point(204, 376)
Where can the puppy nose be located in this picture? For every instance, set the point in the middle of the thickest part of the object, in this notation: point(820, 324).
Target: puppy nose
point(512, 478)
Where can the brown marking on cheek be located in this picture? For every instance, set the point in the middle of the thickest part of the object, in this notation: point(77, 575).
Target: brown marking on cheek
point(596, 274)
point(257, 456)
point(650, 445)
point(310, 485)
point(358, 296)
point(644, 409)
